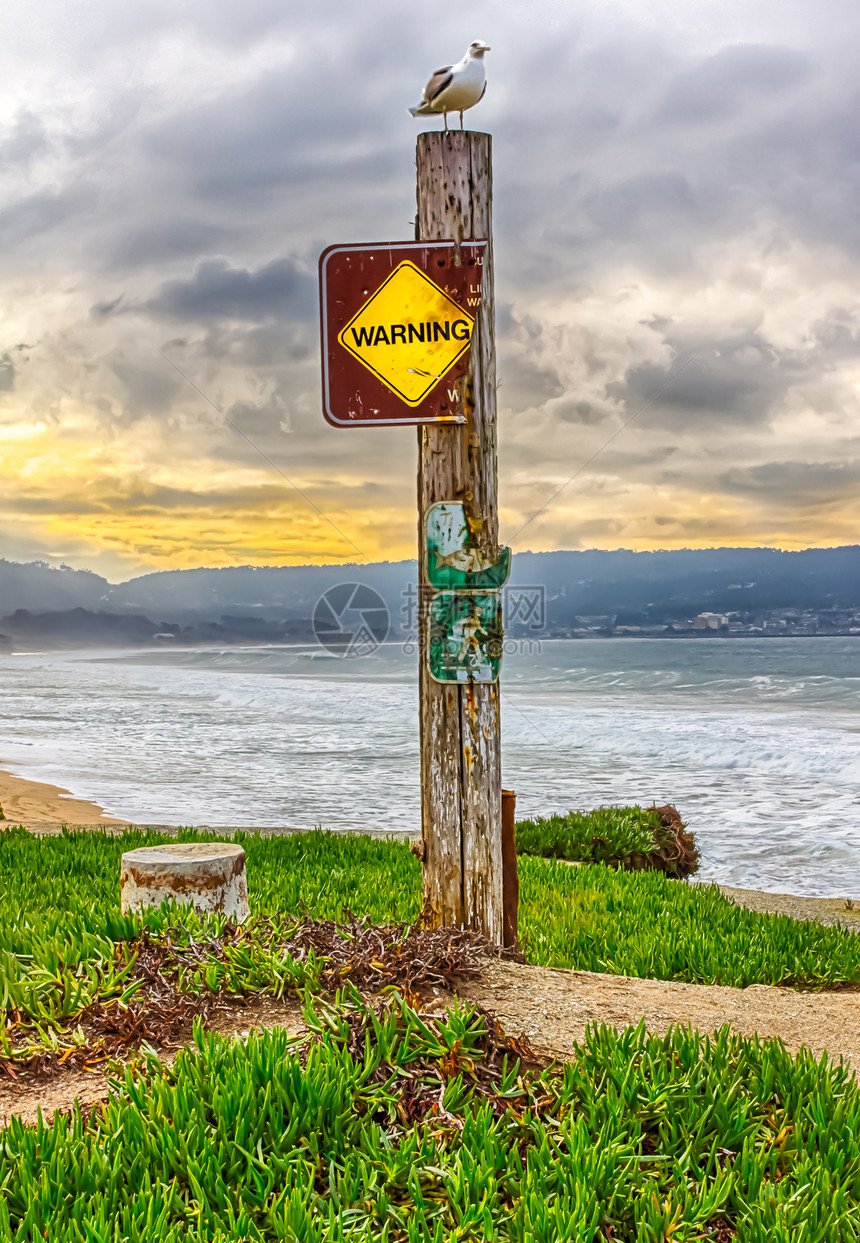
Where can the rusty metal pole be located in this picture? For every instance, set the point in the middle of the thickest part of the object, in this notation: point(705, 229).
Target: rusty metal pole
point(510, 875)
point(461, 796)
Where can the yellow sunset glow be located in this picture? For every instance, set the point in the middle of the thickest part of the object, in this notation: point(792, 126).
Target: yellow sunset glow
point(107, 500)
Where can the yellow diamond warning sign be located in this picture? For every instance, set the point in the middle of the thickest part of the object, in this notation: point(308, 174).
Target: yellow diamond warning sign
point(409, 333)
point(397, 322)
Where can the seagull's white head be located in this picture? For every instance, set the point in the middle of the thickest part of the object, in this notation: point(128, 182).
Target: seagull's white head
point(478, 48)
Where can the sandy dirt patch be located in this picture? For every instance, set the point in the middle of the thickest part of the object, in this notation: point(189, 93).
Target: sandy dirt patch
point(844, 911)
point(552, 1008)
point(56, 1091)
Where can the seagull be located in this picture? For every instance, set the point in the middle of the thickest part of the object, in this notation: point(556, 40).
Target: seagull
point(454, 88)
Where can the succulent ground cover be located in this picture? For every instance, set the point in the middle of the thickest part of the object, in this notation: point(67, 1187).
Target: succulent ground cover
point(390, 1122)
point(633, 838)
point(80, 982)
point(396, 1125)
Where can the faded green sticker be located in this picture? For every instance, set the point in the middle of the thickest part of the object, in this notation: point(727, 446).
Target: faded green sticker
point(453, 561)
point(465, 636)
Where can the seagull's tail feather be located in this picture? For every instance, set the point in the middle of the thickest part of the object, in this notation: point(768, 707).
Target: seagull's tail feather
point(423, 110)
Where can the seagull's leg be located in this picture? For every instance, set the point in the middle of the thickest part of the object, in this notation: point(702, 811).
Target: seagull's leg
point(461, 118)
point(446, 121)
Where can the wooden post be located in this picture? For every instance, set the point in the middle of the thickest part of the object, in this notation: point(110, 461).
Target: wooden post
point(461, 788)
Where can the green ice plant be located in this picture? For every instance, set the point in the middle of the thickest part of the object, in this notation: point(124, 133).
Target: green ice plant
point(644, 924)
point(633, 838)
point(638, 1137)
point(607, 834)
point(64, 943)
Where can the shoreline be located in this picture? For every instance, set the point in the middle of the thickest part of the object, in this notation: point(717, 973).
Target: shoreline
point(118, 651)
point(37, 804)
point(44, 809)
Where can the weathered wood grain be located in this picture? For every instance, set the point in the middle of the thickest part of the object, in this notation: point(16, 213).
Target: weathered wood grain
point(460, 728)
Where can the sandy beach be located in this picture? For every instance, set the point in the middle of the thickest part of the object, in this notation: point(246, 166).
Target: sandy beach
point(34, 803)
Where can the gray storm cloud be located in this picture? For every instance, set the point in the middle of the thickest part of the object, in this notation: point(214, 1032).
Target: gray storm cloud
point(665, 189)
point(7, 373)
point(277, 290)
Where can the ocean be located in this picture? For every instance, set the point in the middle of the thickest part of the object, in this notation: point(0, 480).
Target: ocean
point(757, 742)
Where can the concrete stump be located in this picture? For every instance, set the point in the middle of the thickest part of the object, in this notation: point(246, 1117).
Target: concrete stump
point(209, 875)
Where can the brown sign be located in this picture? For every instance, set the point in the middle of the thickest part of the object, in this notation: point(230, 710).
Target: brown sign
point(397, 320)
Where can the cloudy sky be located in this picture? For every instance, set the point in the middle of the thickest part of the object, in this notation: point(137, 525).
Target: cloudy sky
point(677, 193)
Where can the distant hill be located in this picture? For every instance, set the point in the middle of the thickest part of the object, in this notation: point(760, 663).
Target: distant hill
point(291, 591)
point(37, 585)
point(648, 588)
point(76, 628)
point(671, 586)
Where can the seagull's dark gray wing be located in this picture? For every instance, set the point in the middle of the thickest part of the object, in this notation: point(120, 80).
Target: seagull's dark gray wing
point(441, 78)
point(483, 93)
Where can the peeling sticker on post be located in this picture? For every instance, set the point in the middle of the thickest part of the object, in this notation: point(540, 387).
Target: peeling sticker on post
point(465, 636)
point(454, 561)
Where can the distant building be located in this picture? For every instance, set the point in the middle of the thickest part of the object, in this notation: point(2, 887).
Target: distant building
point(710, 621)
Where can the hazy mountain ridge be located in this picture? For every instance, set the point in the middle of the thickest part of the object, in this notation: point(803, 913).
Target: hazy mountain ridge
point(248, 602)
point(37, 585)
